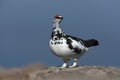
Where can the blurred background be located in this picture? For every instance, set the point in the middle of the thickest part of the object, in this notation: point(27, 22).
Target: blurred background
point(25, 29)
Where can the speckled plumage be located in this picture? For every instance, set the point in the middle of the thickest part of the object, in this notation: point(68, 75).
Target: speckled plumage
point(68, 47)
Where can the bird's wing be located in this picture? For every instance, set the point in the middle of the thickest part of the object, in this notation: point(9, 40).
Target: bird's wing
point(73, 43)
point(75, 38)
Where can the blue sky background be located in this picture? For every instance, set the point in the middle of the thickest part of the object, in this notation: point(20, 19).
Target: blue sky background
point(25, 28)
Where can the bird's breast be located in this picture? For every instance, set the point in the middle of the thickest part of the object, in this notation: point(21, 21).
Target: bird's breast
point(59, 47)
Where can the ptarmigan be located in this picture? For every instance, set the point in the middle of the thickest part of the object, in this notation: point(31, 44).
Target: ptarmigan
point(66, 46)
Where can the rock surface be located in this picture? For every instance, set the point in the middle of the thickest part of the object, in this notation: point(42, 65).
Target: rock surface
point(79, 73)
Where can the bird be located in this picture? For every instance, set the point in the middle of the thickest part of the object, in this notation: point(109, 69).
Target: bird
point(68, 47)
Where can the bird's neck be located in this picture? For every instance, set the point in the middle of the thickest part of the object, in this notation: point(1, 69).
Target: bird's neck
point(56, 27)
point(56, 30)
point(56, 24)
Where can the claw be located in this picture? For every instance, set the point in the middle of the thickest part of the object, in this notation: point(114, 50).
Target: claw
point(74, 63)
point(64, 66)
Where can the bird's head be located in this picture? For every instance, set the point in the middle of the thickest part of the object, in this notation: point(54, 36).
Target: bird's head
point(57, 19)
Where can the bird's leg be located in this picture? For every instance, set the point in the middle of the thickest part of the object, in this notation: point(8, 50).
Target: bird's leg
point(75, 63)
point(64, 64)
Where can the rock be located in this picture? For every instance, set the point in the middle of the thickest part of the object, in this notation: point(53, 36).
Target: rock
point(78, 73)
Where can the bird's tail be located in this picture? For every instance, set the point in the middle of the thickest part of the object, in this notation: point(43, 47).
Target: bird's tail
point(90, 42)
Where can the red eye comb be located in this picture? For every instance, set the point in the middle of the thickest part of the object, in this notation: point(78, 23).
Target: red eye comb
point(57, 16)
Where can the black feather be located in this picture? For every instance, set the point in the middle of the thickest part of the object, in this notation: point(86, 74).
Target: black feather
point(90, 42)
